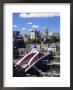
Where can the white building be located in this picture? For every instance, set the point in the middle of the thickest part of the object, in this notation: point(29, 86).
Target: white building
point(57, 34)
point(32, 35)
point(52, 48)
point(35, 35)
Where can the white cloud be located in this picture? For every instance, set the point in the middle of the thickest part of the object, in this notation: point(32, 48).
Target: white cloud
point(29, 23)
point(30, 29)
point(23, 28)
point(14, 26)
point(30, 15)
point(35, 26)
point(45, 27)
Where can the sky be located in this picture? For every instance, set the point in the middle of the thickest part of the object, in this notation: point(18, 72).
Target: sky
point(25, 22)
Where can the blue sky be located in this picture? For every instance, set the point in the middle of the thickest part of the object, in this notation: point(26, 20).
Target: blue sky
point(24, 22)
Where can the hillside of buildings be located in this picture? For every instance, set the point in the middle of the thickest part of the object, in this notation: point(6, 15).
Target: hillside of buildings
point(45, 42)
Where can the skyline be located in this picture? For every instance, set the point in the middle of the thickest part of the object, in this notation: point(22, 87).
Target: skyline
point(25, 22)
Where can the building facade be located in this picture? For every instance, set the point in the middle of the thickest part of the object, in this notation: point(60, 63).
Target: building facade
point(35, 35)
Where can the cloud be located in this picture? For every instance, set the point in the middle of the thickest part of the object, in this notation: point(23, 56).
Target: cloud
point(34, 26)
point(44, 15)
point(30, 29)
point(23, 28)
point(45, 27)
point(29, 23)
point(14, 26)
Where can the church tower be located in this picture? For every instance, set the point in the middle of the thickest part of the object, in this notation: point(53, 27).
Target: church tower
point(46, 31)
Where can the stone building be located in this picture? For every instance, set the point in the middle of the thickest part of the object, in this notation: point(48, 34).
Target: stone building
point(46, 33)
point(52, 48)
point(18, 44)
point(25, 38)
point(35, 35)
